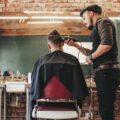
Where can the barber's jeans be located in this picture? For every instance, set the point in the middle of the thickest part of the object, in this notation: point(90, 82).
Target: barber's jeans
point(107, 82)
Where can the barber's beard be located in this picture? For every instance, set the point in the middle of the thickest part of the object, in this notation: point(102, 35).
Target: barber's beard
point(91, 24)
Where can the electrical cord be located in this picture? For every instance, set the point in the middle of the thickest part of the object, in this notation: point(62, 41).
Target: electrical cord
point(90, 117)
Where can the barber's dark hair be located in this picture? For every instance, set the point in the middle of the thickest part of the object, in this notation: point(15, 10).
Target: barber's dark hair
point(55, 37)
point(95, 8)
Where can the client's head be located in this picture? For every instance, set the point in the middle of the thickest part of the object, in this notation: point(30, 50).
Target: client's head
point(55, 41)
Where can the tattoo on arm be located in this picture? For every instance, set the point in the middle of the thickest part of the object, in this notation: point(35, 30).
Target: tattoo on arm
point(84, 51)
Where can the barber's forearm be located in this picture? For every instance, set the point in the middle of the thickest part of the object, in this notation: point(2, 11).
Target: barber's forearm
point(102, 49)
point(83, 50)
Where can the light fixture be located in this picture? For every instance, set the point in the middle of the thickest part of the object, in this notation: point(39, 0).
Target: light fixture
point(39, 17)
point(44, 22)
point(47, 17)
point(114, 18)
point(56, 17)
point(43, 12)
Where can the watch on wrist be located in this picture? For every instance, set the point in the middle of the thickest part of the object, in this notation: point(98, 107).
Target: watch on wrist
point(90, 57)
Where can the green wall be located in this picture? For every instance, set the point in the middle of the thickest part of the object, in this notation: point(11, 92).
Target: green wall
point(20, 53)
point(117, 24)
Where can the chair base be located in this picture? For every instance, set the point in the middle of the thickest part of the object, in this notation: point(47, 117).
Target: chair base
point(55, 114)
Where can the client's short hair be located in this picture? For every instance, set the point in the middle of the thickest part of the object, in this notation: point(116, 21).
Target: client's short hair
point(55, 37)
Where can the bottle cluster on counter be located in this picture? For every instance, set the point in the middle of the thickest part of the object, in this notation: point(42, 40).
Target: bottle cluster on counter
point(14, 77)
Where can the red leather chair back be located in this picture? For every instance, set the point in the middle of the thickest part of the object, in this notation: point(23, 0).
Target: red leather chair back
point(56, 90)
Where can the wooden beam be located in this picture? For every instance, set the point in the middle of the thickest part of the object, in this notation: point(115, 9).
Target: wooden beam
point(42, 32)
point(14, 25)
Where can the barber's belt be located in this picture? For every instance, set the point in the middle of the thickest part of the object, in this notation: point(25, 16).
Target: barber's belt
point(107, 66)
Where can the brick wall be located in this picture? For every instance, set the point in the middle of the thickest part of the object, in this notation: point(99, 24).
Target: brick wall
point(16, 106)
point(94, 104)
point(55, 5)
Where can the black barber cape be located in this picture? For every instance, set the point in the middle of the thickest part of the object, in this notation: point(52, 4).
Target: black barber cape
point(66, 66)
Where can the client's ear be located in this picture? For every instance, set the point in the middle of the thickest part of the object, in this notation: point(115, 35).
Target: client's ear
point(49, 46)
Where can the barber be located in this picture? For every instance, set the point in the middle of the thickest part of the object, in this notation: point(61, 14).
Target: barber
point(103, 57)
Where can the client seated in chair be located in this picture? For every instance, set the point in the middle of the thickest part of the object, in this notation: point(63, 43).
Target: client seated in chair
point(57, 75)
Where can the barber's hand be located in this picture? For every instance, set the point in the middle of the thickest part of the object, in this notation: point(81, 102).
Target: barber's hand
point(88, 60)
point(70, 41)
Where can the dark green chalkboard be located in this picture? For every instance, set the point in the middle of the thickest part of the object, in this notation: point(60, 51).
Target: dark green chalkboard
point(20, 53)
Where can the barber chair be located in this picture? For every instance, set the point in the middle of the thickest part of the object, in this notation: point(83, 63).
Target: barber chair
point(57, 102)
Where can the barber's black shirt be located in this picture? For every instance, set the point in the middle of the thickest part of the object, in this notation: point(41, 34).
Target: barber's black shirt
point(104, 33)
